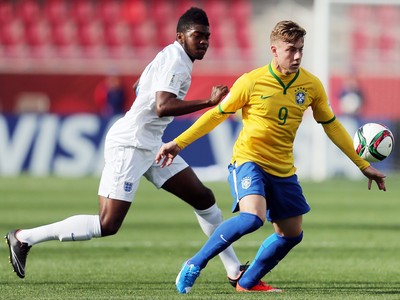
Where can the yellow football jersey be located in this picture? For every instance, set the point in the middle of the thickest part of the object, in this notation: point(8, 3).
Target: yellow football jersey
point(272, 106)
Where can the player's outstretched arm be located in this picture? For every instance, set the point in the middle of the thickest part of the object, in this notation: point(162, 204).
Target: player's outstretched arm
point(167, 104)
point(167, 153)
point(374, 175)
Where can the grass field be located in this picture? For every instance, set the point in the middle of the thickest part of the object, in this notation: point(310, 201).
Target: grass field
point(350, 250)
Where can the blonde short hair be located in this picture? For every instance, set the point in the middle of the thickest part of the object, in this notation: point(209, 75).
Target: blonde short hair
point(287, 31)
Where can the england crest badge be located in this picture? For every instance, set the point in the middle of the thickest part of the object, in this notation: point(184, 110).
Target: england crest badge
point(128, 186)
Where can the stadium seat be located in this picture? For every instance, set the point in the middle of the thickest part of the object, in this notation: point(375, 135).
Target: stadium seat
point(7, 12)
point(117, 39)
point(143, 39)
point(182, 6)
point(91, 37)
point(218, 11)
point(134, 12)
point(388, 15)
point(386, 44)
point(38, 33)
point(64, 33)
point(241, 11)
point(29, 11)
point(56, 11)
point(163, 17)
point(83, 11)
point(361, 13)
point(109, 11)
point(11, 33)
point(38, 38)
point(65, 39)
point(360, 38)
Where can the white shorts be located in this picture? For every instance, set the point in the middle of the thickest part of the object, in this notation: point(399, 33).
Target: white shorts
point(124, 167)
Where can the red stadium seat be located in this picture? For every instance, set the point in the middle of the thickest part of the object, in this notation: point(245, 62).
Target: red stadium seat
point(241, 12)
point(12, 38)
point(64, 33)
point(243, 41)
point(29, 11)
point(117, 39)
point(182, 6)
point(7, 12)
point(360, 38)
point(83, 11)
point(56, 11)
point(143, 38)
point(162, 12)
point(109, 11)
point(12, 33)
point(134, 12)
point(37, 33)
point(217, 10)
point(388, 15)
point(361, 13)
point(386, 44)
point(65, 39)
point(91, 38)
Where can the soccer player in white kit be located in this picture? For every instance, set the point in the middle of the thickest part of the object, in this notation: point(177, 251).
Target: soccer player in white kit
point(131, 146)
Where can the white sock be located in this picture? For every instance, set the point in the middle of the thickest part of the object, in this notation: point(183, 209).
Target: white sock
point(209, 219)
point(75, 228)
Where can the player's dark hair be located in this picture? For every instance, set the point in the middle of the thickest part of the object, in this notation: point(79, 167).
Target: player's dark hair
point(193, 16)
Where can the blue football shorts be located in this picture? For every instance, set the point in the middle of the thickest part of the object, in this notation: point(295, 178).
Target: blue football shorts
point(284, 195)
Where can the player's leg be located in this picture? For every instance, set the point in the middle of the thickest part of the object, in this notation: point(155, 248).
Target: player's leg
point(286, 205)
point(180, 180)
point(224, 235)
point(80, 227)
point(117, 187)
point(252, 214)
point(75, 228)
point(288, 234)
point(112, 214)
point(118, 181)
point(190, 189)
point(250, 218)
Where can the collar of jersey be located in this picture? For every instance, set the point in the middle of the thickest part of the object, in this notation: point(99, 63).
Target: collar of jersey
point(273, 72)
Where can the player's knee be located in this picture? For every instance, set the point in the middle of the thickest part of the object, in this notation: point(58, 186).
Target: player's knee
point(109, 228)
point(249, 222)
point(293, 241)
point(204, 199)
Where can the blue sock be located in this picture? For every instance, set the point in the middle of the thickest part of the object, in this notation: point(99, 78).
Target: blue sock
point(228, 232)
point(272, 250)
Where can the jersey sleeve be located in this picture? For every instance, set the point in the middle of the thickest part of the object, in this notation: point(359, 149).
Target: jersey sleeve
point(322, 110)
point(235, 100)
point(238, 96)
point(170, 76)
point(207, 122)
point(340, 137)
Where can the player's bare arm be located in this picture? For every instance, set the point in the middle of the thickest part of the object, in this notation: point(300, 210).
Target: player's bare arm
point(374, 175)
point(167, 153)
point(167, 104)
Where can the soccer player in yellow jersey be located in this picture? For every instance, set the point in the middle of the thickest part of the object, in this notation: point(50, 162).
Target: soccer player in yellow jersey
point(262, 176)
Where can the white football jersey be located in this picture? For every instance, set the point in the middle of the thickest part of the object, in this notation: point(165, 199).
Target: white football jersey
point(170, 71)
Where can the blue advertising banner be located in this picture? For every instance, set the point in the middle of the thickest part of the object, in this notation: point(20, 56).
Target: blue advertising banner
point(49, 144)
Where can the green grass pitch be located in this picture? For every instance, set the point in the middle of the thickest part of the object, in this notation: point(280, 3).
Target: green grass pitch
point(350, 250)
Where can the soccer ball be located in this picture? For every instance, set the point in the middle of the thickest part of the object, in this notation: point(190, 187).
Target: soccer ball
point(373, 142)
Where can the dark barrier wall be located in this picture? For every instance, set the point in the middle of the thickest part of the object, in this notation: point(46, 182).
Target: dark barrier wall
point(68, 94)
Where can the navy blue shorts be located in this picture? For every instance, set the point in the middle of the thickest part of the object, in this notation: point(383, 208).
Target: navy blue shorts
point(284, 195)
